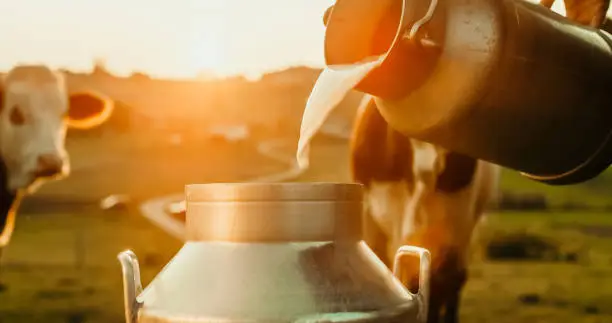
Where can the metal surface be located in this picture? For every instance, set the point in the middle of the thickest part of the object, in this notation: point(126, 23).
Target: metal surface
point(131, 284)
point(258, 275)
point(424, 271)
point(279, 212)
point(276, 192)
point(508, 81)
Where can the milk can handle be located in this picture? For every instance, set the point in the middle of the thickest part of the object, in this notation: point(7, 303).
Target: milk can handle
point(424, 264)
point(132, 286)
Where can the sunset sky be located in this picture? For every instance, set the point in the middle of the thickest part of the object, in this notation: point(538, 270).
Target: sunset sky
point(168, 38)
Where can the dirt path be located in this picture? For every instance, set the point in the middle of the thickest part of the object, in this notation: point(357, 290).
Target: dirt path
point(154, 209)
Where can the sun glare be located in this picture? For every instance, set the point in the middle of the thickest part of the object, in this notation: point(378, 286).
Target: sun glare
point(167, 38)
point(164, 38)
point(206, 52)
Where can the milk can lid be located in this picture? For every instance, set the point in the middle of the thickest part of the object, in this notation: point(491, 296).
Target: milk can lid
point(243, 192)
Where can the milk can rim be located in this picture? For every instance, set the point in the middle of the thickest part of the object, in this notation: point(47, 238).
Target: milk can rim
point(274, 192)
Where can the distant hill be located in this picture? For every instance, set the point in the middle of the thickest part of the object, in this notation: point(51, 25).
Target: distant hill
point(277, 98)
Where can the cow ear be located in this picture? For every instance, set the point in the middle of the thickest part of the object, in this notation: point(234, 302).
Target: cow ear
point(87, 110)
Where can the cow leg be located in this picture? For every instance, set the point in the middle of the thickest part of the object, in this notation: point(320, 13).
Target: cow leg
point(451, 308)
point(451, 312)
point(9, 203)
point(434, 310)
point(3, 286)
point(443, 300)
point(7, 225)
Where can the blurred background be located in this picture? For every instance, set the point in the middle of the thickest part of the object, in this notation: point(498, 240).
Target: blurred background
point(200, 87)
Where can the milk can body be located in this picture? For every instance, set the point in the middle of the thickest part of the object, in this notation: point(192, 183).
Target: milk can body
point(506, 81)
point(274, 253)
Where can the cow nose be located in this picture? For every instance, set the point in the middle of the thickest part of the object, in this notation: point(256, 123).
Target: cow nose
point(48, 165)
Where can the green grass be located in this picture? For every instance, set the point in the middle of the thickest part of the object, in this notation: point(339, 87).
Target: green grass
point(569, 292)
point(62, 262)
point(62, 265)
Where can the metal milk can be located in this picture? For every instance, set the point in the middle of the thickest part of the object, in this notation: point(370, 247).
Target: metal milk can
point(286, 252)
point(507, 81)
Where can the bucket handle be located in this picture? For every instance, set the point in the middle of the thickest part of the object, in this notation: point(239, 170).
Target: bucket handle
point(424, 269)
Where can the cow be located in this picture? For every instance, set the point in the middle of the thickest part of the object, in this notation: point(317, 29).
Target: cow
point(422, 195)
point(590, 13)
point(35, 112)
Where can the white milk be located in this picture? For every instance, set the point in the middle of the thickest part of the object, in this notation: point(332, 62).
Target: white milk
point(335, 82)
point(331, 87)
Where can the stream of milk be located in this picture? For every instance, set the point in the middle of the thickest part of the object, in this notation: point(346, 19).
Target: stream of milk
point(335, 82)
point(331, 87)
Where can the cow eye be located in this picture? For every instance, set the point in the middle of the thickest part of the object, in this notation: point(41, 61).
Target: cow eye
point(17, 118)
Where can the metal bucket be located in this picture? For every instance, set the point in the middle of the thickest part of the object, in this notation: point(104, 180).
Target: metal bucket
point(506, 81)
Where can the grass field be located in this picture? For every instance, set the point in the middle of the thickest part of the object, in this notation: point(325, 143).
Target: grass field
point(544, 291)
point(62, 267)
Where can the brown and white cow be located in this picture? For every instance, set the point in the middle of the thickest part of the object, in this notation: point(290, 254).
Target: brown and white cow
point(422, 195)
point(587, 12)
point(35, 112)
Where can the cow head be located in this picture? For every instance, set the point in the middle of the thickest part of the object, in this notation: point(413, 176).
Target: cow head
point(35, 112)
point(429, 161)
